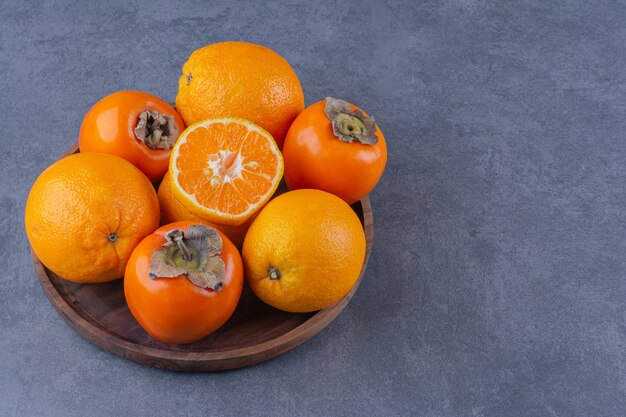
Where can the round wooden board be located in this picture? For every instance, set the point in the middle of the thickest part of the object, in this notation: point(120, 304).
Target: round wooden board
point(256, 332)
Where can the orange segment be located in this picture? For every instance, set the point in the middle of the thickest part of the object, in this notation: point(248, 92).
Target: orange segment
point(225, 170)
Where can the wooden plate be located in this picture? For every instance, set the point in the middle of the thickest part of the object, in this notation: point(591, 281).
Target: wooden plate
point(256, 332)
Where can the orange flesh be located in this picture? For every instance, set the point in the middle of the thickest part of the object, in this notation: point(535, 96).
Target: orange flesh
point(225, 166)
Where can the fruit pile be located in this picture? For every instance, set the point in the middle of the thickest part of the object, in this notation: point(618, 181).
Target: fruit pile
point(217, 160)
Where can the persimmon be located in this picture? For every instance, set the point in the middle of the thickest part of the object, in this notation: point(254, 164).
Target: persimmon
point(134, 125)
point(336, 147)
point(183, 282)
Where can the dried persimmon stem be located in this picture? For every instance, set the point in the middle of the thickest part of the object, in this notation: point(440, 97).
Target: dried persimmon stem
point(156, 130)
point(180, 241)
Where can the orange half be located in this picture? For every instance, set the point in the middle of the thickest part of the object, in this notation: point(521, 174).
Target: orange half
point(224, 170)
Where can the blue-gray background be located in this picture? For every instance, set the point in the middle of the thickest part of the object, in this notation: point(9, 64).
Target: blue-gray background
point(497, 285)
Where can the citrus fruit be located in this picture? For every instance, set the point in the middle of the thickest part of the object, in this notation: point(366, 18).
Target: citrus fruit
point(304, 251)
point(225, 170)
point(173, 211)
point(85, 214)
point(243, 80)
point(334, 146)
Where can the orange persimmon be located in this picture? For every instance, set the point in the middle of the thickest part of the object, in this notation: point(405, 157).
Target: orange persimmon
point(183, 282)
point(334, 146)
point(136, 126)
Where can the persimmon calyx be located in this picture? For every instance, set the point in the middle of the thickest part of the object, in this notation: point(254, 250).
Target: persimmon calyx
point(350, 125)
point(193, 254)
point(156, 130)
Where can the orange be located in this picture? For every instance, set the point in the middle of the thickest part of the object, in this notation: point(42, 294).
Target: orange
point(173, 211)
point(304, 251)
point(85, 214)
point(240, 79)
point(225, 170)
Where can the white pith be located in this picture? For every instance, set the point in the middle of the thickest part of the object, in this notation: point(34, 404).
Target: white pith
point(219, 171)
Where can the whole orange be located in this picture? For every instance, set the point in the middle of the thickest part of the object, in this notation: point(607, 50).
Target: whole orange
point(304, 251)
point(240, 79)
point(85, 214)
point(173, 211)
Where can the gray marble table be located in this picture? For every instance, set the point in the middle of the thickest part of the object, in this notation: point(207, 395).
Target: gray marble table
point(497, 285)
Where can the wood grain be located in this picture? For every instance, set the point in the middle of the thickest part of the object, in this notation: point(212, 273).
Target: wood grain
point(256, 332)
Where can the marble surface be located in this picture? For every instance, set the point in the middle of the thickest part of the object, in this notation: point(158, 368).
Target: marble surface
point(497, 285)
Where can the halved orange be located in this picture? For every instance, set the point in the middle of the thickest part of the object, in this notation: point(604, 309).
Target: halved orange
point(224, 170)
point(173, 211)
